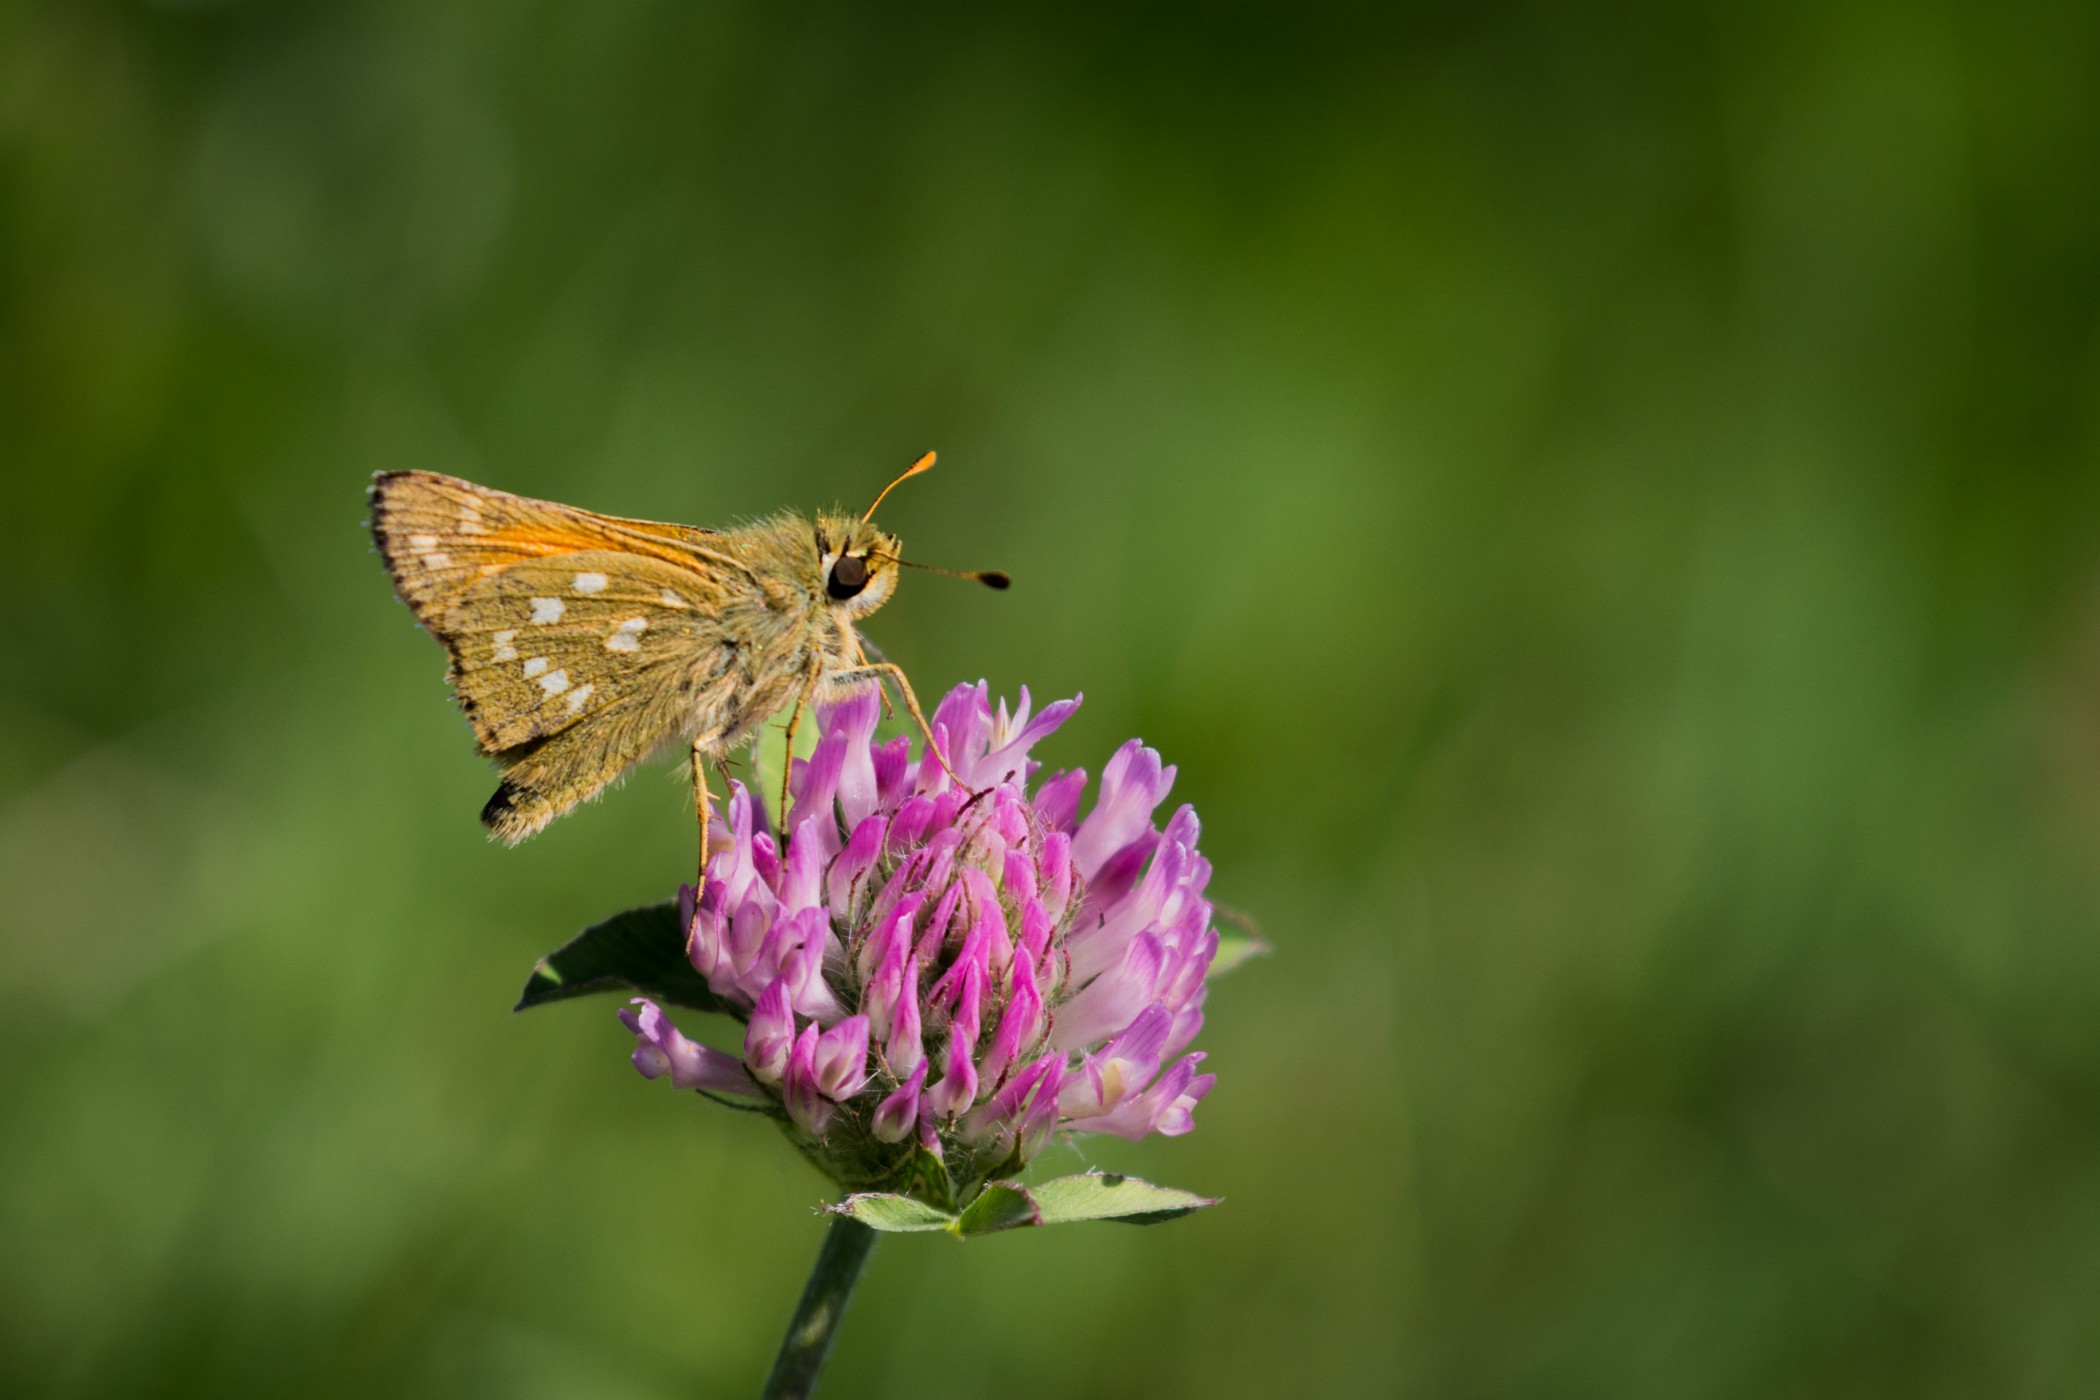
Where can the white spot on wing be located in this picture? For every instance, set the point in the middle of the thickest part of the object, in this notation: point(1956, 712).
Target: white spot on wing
point(628, 635)
point(437, 559)
point(672, 600)
point(422, 544)
point(555, 682)
point(469, 520)
point(536, 665)
point(504, 650)
point(547, 610)
point(590, 583)
point(577, 696)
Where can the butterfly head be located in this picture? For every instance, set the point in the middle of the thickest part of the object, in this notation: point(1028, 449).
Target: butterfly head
point(857, 564)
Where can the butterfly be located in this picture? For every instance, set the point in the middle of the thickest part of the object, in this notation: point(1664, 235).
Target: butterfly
point(582, 644)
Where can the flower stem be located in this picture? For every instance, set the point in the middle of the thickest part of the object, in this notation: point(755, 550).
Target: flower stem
point(816, 1324)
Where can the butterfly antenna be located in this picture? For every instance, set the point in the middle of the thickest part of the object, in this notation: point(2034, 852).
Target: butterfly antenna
point(924, 464)
point(990, 578)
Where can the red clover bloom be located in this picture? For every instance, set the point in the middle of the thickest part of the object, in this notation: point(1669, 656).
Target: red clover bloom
point(951, 974)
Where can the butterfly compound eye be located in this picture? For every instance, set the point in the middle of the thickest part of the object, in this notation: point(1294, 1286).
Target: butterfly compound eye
point(848, 577)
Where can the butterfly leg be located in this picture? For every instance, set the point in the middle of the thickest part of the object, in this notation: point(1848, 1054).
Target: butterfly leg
point(880, 669)
point(861, 647)
point(722, 767)
point(700, 804)
point(787, 754)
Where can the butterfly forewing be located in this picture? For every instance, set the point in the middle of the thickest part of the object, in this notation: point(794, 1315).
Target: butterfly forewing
point(441, 536)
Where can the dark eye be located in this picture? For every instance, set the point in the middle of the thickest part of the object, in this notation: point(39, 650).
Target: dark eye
point(848, 577)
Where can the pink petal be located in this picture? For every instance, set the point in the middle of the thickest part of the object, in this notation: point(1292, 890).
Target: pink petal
point(770, 1035)
point(661, 1048)
point(841, 1060)
point(958, 1086)
point(895, 1115)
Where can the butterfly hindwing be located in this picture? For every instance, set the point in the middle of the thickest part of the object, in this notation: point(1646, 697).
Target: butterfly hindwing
point(575, 668)
point(549, 643)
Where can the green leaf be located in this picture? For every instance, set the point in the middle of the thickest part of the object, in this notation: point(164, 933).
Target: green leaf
point(1008, 1205)
point(885, 1210)
point(1000, 1206)
point(642, 950)
point(1107, 1196)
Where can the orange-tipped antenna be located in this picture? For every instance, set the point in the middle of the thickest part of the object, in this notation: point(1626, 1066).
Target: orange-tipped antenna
point(924, 464)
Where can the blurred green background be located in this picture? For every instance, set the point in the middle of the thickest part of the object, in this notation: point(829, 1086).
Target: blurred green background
point(1600, 502)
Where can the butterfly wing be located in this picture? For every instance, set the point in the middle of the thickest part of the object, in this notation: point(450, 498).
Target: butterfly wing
point(580, 643)
point(550, 643)
point(574, 668)
point(440, 536)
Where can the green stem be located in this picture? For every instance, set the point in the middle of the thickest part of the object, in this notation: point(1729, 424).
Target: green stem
point(816, 1325)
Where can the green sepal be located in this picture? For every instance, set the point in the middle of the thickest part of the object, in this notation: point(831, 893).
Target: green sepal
point(929, 1175)
point(1007, 1205)
point(769, 759)
point(641, 950)
point(1234, 949)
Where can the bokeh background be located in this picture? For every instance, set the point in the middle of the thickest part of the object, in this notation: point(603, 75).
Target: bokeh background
point(1600, 503)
